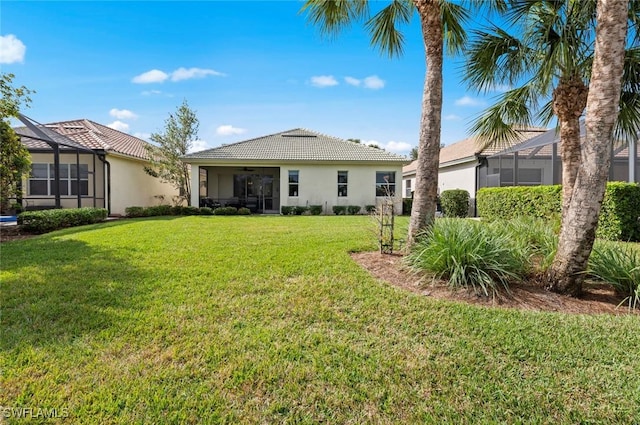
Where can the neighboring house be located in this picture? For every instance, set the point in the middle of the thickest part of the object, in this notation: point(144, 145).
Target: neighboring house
point(532, 160)
point(294, 168)
point(111, 168)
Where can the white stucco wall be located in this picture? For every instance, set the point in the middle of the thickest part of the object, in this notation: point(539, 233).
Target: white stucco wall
point(318, 185)
point(131, 186)
point(459, 176)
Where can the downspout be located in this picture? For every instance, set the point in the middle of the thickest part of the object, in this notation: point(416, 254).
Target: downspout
point(78, 191)
point(106, 183)
point(56, 178)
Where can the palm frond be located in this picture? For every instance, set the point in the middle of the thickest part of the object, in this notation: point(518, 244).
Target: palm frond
point(496, 126)
point(495, 58)
point(454, 17)
point(333, 16)
point(383, 27)
point(628, 123)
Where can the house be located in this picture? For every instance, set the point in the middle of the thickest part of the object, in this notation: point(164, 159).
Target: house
point(297, 167)
point(531, 160)
point(99, 167)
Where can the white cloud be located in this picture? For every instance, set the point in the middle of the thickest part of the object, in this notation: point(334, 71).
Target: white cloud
point(199, 145)
point(119, 125)
point(229, 130)
point(352, 81)
point(188, 74)
point(469, 101)
point(122, 114)
point(11, 49)
point(373, 82)
point(452, 117)
point(180, 74)
point(323, 81)
point(151, 92)
point(144, 136)
point(153, 76)
point(393, 146)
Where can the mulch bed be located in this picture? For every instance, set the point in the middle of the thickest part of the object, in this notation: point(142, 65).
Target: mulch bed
point(596, 299)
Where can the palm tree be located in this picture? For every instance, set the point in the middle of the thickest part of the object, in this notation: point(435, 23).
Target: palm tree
point(605, 88)
point(548, 62)
point(440, 20)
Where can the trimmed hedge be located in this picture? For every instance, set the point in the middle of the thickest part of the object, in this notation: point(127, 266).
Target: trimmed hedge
point(339, 210)
point(517, 201)
point(353, 209)
point(620, 214)
point(619, 217)
point(455, 203)
point(407, 204)
point(369, 208)
point(49, 220)
point(160, 210)
point(315, 209)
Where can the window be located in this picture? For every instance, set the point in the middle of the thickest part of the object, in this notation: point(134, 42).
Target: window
point(526, 176)
point(407, 193)
point(385, 183)
point(294, 181)
point(42, 180)
point(343, 180)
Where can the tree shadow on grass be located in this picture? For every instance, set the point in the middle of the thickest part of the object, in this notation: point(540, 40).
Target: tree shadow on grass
point(56, 290)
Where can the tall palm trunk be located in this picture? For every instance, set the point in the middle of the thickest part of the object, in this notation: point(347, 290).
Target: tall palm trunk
point(569, 101)
point(426, 190)
point(578, 231)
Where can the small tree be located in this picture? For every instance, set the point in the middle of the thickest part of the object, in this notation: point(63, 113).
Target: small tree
point(15, 160)
point(181, 129)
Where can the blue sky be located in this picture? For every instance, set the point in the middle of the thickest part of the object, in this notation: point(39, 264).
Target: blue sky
point(248, 68)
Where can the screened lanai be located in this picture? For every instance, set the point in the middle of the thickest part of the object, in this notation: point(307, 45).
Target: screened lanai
point(536, 162)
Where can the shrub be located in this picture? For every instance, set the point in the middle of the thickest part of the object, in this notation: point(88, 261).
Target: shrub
point(244, 211)
point(299, 210)
point(407, 204)
point(49, 220)
point(178, 210)
point(510, 202)
point(534, 235)
point(206, 211)
point(469, 254)
point(353, 209)
point(455, 203)
point(369, 208)
point(133, 212)
point(190, 210)
point(315, 209)
point(225, 211)
point(620, 215)
point(284, 210)
point(618, 266)
point(339, 209)
point(158, 210)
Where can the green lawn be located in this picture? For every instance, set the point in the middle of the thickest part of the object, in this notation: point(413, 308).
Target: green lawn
point(268, 320)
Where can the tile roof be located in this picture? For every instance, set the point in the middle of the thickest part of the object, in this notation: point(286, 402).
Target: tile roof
point(297, 145)
point(88, 134)
point(470, 147)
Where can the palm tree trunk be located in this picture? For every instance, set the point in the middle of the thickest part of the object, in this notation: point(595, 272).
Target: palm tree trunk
point(566, 274)
point(426, 190)
point(569, 101)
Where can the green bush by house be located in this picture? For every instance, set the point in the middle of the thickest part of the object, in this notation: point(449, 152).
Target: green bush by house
point(455, 203)
point(619, 218)
point(50, 220)
point(339, 209)
point(407, 204)
point(315, 209)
